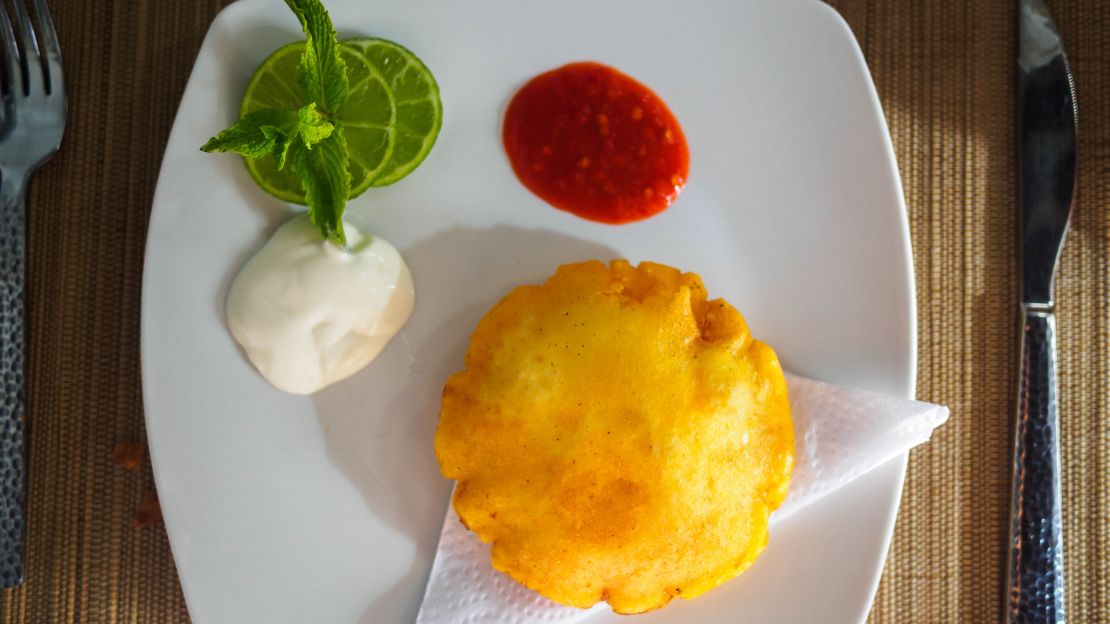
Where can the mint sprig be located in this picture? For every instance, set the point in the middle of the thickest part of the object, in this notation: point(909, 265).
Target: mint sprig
point(272, 131)
point(307, 137)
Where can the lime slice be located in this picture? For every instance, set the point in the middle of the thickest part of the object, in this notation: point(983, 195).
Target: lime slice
point(366, 118)
point(419, 112)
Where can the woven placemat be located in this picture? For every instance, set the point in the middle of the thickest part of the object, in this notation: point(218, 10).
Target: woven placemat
point(944, 72)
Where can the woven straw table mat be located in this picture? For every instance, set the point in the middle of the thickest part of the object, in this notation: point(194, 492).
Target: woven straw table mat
point(944, 71)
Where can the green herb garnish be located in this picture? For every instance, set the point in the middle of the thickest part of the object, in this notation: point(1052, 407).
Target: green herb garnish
point(324, 120)
point(306, 139)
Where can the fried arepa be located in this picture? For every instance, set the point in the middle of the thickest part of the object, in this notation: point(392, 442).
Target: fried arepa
point(617, 437)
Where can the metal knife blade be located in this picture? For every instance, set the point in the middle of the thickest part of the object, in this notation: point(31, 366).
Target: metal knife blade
point(1047, 156)
point(1047, 118)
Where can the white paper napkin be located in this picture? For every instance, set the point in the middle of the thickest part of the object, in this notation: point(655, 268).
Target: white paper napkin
point(839, 434)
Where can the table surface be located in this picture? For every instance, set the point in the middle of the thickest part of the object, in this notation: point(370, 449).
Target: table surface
point(944, 70)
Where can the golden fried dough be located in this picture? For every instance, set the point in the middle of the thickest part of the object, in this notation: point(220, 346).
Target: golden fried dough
point(617, 437)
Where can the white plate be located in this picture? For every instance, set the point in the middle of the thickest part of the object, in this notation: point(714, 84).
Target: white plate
point(326, 508)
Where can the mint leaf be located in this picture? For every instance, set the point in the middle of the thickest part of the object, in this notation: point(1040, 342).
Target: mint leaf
point(323, 73)
point(312, 126)
point(255, 135)
point(322, 170)
point(272, 131)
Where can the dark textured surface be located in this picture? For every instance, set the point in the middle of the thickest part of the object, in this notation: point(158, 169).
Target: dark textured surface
point(12, 262)
point(1035, 590)
point(944, 70)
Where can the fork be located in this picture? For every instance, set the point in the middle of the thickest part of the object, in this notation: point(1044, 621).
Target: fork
point(34, 117)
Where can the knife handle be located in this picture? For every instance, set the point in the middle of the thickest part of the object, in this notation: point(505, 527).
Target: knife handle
point(12, 263)
point(1035, 580)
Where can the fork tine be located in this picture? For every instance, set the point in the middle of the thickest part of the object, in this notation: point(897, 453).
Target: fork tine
point(13, 76)
point(51, 49)
point(32, 62)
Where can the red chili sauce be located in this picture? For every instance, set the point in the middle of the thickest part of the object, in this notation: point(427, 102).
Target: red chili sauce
point(592, 141)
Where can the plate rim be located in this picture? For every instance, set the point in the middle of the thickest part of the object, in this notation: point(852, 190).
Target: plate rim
point(910, 381)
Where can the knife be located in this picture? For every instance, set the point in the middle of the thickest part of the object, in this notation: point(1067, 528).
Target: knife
point(1046, 153)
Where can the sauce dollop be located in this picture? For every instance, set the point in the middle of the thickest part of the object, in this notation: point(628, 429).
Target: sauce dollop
point(592, 141)
point(309, 314)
